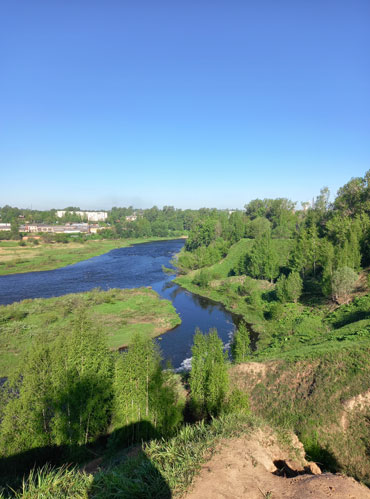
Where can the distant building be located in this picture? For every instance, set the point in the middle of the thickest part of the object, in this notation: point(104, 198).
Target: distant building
point(56, 229)
point(131, 218)
point(5, 226)
point(92, 216)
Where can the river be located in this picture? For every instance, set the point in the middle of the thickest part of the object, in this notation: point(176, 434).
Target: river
point(130, 267)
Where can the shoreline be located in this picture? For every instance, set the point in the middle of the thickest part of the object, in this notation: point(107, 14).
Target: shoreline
point(254, 334)
point(64, 255)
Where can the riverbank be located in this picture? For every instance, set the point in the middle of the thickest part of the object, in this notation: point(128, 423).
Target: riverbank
point(16, 259)
point(224, 292)
point(119, 312)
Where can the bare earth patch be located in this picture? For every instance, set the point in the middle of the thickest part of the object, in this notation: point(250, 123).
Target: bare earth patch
point(257, 467)
point(358, 403)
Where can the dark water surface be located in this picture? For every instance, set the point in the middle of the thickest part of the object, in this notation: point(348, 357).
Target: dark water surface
point(139, 265)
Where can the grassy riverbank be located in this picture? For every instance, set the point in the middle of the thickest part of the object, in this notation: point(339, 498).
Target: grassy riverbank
point(119, 312)
point(220, 286)
point(310, 371)
point(16, 259)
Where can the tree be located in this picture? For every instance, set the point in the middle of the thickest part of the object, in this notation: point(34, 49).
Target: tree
point(289, 289)
point(327, 259)
point(322, 201)
point(240, 346)
point(14, 229)
point(343, 282)
point(258, 227)
point(143, 393)
point(27, 403)
point(202, 233)
point(263, 261)
point(82, 384)
point(209, 380)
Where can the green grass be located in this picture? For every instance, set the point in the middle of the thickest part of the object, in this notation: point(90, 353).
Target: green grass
point(223, 286)
point(119, 312)
point(19, 259)
point(225, 267)
point(160, 469)
point(307, 393)
point(49, 483)
point(225, 291)
point(315, 357)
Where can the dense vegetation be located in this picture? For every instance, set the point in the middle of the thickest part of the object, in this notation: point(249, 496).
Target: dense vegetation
point(119, 313)
point(72, 395)
point(299, 281)
point(120, 222)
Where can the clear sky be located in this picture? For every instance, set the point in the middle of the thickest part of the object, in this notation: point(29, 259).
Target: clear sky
point(188, 103)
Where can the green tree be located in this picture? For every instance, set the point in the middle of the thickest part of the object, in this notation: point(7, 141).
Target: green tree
point(293, 287)
point(258, 227)
point(263, 261)
point(343, 282)
point(82, 383)
point(202, 233)
point(240, 346)
point(209, 381)
point(14, 229)
point(327, 260)
point(143, 393)
point(26, 405)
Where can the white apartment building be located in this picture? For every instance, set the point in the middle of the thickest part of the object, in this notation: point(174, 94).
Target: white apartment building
point(92, 216)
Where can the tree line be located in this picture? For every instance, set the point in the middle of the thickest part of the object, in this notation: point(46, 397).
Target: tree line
point(73, 390)
point(326, 243)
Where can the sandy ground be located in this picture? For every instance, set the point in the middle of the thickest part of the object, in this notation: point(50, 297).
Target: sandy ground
point(256, 467)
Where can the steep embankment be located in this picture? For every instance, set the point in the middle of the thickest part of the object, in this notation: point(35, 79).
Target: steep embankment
point(259, 466)
point(324, 399)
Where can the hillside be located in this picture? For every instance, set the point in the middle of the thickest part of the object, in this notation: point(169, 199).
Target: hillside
point(235, 456)
point(258, 466)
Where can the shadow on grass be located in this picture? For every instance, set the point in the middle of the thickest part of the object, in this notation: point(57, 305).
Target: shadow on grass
point(355, 316)
point(122, 469)
point(322, 456)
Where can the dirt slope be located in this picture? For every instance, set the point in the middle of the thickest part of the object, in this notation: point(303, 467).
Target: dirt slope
point(257, 467)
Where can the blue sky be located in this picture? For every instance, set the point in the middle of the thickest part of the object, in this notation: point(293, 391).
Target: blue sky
point(186, 103)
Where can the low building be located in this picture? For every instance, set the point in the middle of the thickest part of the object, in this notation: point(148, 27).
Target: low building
point(5, 226)
point(56, 229)
point(92, 216)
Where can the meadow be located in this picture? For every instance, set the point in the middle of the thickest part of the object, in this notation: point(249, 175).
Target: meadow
point(120, 313)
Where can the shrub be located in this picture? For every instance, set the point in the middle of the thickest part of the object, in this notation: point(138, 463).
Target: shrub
point(343, 282)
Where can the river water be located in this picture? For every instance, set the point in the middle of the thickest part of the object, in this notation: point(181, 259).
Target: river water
point(132, 267)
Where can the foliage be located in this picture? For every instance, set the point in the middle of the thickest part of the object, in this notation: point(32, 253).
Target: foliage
point(258, 227)
point(240, 345)
point(55, 483)
point(289, 288)
point(202, 234)
point(61, 394)
point(143, 393)
point(343, 282)
point(120, 313)
point(263, 261)
point(208, 381)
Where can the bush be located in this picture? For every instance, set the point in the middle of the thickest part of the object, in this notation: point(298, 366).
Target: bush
point(202, 278)
point(289, 289)
point(343, 282)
